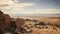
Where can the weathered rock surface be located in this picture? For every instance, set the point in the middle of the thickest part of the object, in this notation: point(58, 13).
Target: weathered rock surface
point(6, 23)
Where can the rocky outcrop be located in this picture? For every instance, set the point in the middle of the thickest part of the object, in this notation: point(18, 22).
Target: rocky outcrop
point(4, 20)
point(19, 22)
point(7, 24)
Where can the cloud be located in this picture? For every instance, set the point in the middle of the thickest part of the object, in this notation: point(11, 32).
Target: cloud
point(11, 4)
point(35, 11)
point(10, 7)
point(16, 1)
point(6, 4)
point(49, 11)
point(27, 4)
point(42, 11)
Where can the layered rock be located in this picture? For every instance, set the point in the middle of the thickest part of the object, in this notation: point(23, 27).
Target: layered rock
point(6, 22)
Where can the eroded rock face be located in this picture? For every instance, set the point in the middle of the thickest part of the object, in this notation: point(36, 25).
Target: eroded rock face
point(1, 16)
point(4, 20)
point(19, 22)
point(7, 21)
point(7, 24)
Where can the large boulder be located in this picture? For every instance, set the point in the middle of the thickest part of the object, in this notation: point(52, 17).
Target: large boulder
point(7, 21)
point(4, 20)
point(19, 22)
point(1, 19)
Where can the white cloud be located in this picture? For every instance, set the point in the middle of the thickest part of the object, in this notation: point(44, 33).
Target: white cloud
point(11, 4)
point(49, 11)
point(16, 1)
point(35, 11)
point(42, 11)
point(27, 4)
point(9, 7)
point(5, 2)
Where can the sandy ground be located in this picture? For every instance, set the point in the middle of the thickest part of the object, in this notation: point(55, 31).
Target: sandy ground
point(29, 25)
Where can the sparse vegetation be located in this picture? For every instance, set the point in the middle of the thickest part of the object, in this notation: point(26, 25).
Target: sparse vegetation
point(28, 26)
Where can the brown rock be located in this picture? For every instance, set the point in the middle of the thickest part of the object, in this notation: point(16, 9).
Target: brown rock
point(7, 18)
point(19, 22)
point(4, 20)
point(1, 12)
point(1, 19)
point(7, 21)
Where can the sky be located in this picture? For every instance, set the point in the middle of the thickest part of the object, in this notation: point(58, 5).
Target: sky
point(30, 7)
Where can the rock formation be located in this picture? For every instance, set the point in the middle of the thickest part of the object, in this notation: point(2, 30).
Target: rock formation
point(7, 24)
point(4, 21)
point(19, 22)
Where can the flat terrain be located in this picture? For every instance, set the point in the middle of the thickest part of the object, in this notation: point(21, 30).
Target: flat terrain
point(43, 18)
